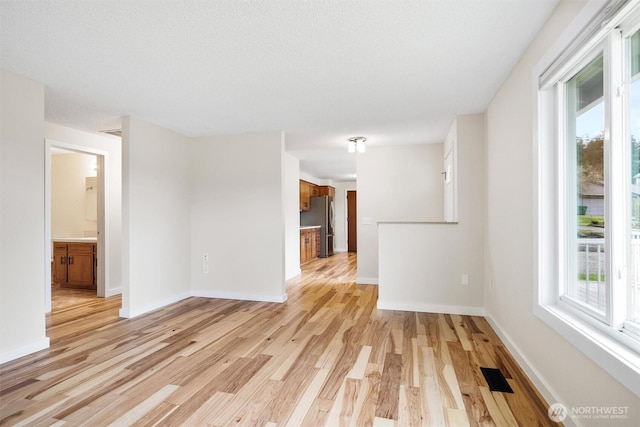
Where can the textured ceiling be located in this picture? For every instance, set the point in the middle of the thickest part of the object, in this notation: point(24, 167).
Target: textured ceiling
point(394, 71)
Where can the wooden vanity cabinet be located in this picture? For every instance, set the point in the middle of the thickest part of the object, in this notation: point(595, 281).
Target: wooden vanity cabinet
point(74, 264)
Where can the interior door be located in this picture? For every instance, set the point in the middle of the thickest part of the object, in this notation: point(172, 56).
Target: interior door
point(449, 190)
point(352, 222)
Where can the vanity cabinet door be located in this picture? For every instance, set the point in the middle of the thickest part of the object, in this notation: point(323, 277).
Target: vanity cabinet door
point(59, 263)
point(81, 265)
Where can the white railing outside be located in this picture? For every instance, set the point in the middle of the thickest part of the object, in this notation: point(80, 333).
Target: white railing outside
point(591, 267)
point(634, 271)
point(591, 287)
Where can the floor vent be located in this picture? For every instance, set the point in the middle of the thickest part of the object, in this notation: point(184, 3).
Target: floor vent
point(496, 381)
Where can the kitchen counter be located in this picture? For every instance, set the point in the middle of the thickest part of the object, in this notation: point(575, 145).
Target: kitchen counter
point(75, 239)
point(309, 227)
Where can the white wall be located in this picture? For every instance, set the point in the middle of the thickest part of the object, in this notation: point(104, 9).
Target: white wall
point(156, 217)
point(22, 243)
point(563, 372)
point(340, 214)
point(395, 183)
point(421, 265)
point(69, 195)
point(237, 216)
point(291, 207)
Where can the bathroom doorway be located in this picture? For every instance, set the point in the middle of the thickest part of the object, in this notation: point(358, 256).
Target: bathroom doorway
point(74, 225)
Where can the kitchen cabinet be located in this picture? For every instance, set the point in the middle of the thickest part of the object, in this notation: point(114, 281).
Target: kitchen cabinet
point(309, 244)
point(326, 190)
point(74, 264)
point(307, 190)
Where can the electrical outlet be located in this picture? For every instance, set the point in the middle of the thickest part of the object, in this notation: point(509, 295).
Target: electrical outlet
point(205, 268)
point(464, 280)
point(205, 257)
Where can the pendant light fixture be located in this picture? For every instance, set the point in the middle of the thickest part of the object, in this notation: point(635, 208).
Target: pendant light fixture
point(357, 144)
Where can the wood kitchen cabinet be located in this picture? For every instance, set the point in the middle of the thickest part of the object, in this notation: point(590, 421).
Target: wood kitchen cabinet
point(74, 264)
point(309, 244)
point(326, 190)
point(307, 190)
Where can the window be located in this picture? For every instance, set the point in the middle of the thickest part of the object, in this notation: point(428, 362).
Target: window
point(585, 281)
point(634, 182)
point(589, 191)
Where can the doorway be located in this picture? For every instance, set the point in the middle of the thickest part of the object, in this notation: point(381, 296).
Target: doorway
point(352, 221)
point(79, 198)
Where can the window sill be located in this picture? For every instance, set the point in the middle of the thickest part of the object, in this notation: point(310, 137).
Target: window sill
point(620, 361)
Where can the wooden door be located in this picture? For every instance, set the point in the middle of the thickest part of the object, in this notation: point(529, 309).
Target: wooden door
point(352, 222)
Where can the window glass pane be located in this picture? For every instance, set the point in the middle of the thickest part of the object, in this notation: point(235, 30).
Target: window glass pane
point(634, 132)
point(635, 56)
point(586, 184)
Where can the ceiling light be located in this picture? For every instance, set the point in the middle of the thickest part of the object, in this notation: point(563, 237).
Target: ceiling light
point(357, 144)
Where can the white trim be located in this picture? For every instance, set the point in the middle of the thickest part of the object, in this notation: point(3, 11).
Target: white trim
point(367, 281)
point(431, 308)
point(340, 250)
point(24, 350)
point(534, 376)
point(295, 274)
point(114, 291)
point(242, 297)
point(128, 313)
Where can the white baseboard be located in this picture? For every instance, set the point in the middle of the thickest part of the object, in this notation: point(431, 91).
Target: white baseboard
point(537, 380)
point(431, 308)
point(243, 297)
point(137, 311)
point(294, 274)
point(113, 291)
point(367, 280)
point(24, 350)
point(340, 250)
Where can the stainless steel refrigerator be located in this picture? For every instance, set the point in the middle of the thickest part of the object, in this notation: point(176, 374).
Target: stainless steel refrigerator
point(321, 213)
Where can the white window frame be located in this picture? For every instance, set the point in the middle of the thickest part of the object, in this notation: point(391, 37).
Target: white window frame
point(598, 338)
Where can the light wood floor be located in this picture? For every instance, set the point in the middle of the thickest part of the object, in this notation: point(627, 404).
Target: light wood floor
point(62, 298)
point(325, 357)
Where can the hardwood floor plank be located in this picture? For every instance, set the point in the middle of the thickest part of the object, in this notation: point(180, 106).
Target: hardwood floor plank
point(499, 417)
point(477, 412)
point(387, 406)
point(359, 368)
point(307, 400)
point(155, 415)
point(364, 408)
point(327, 356)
